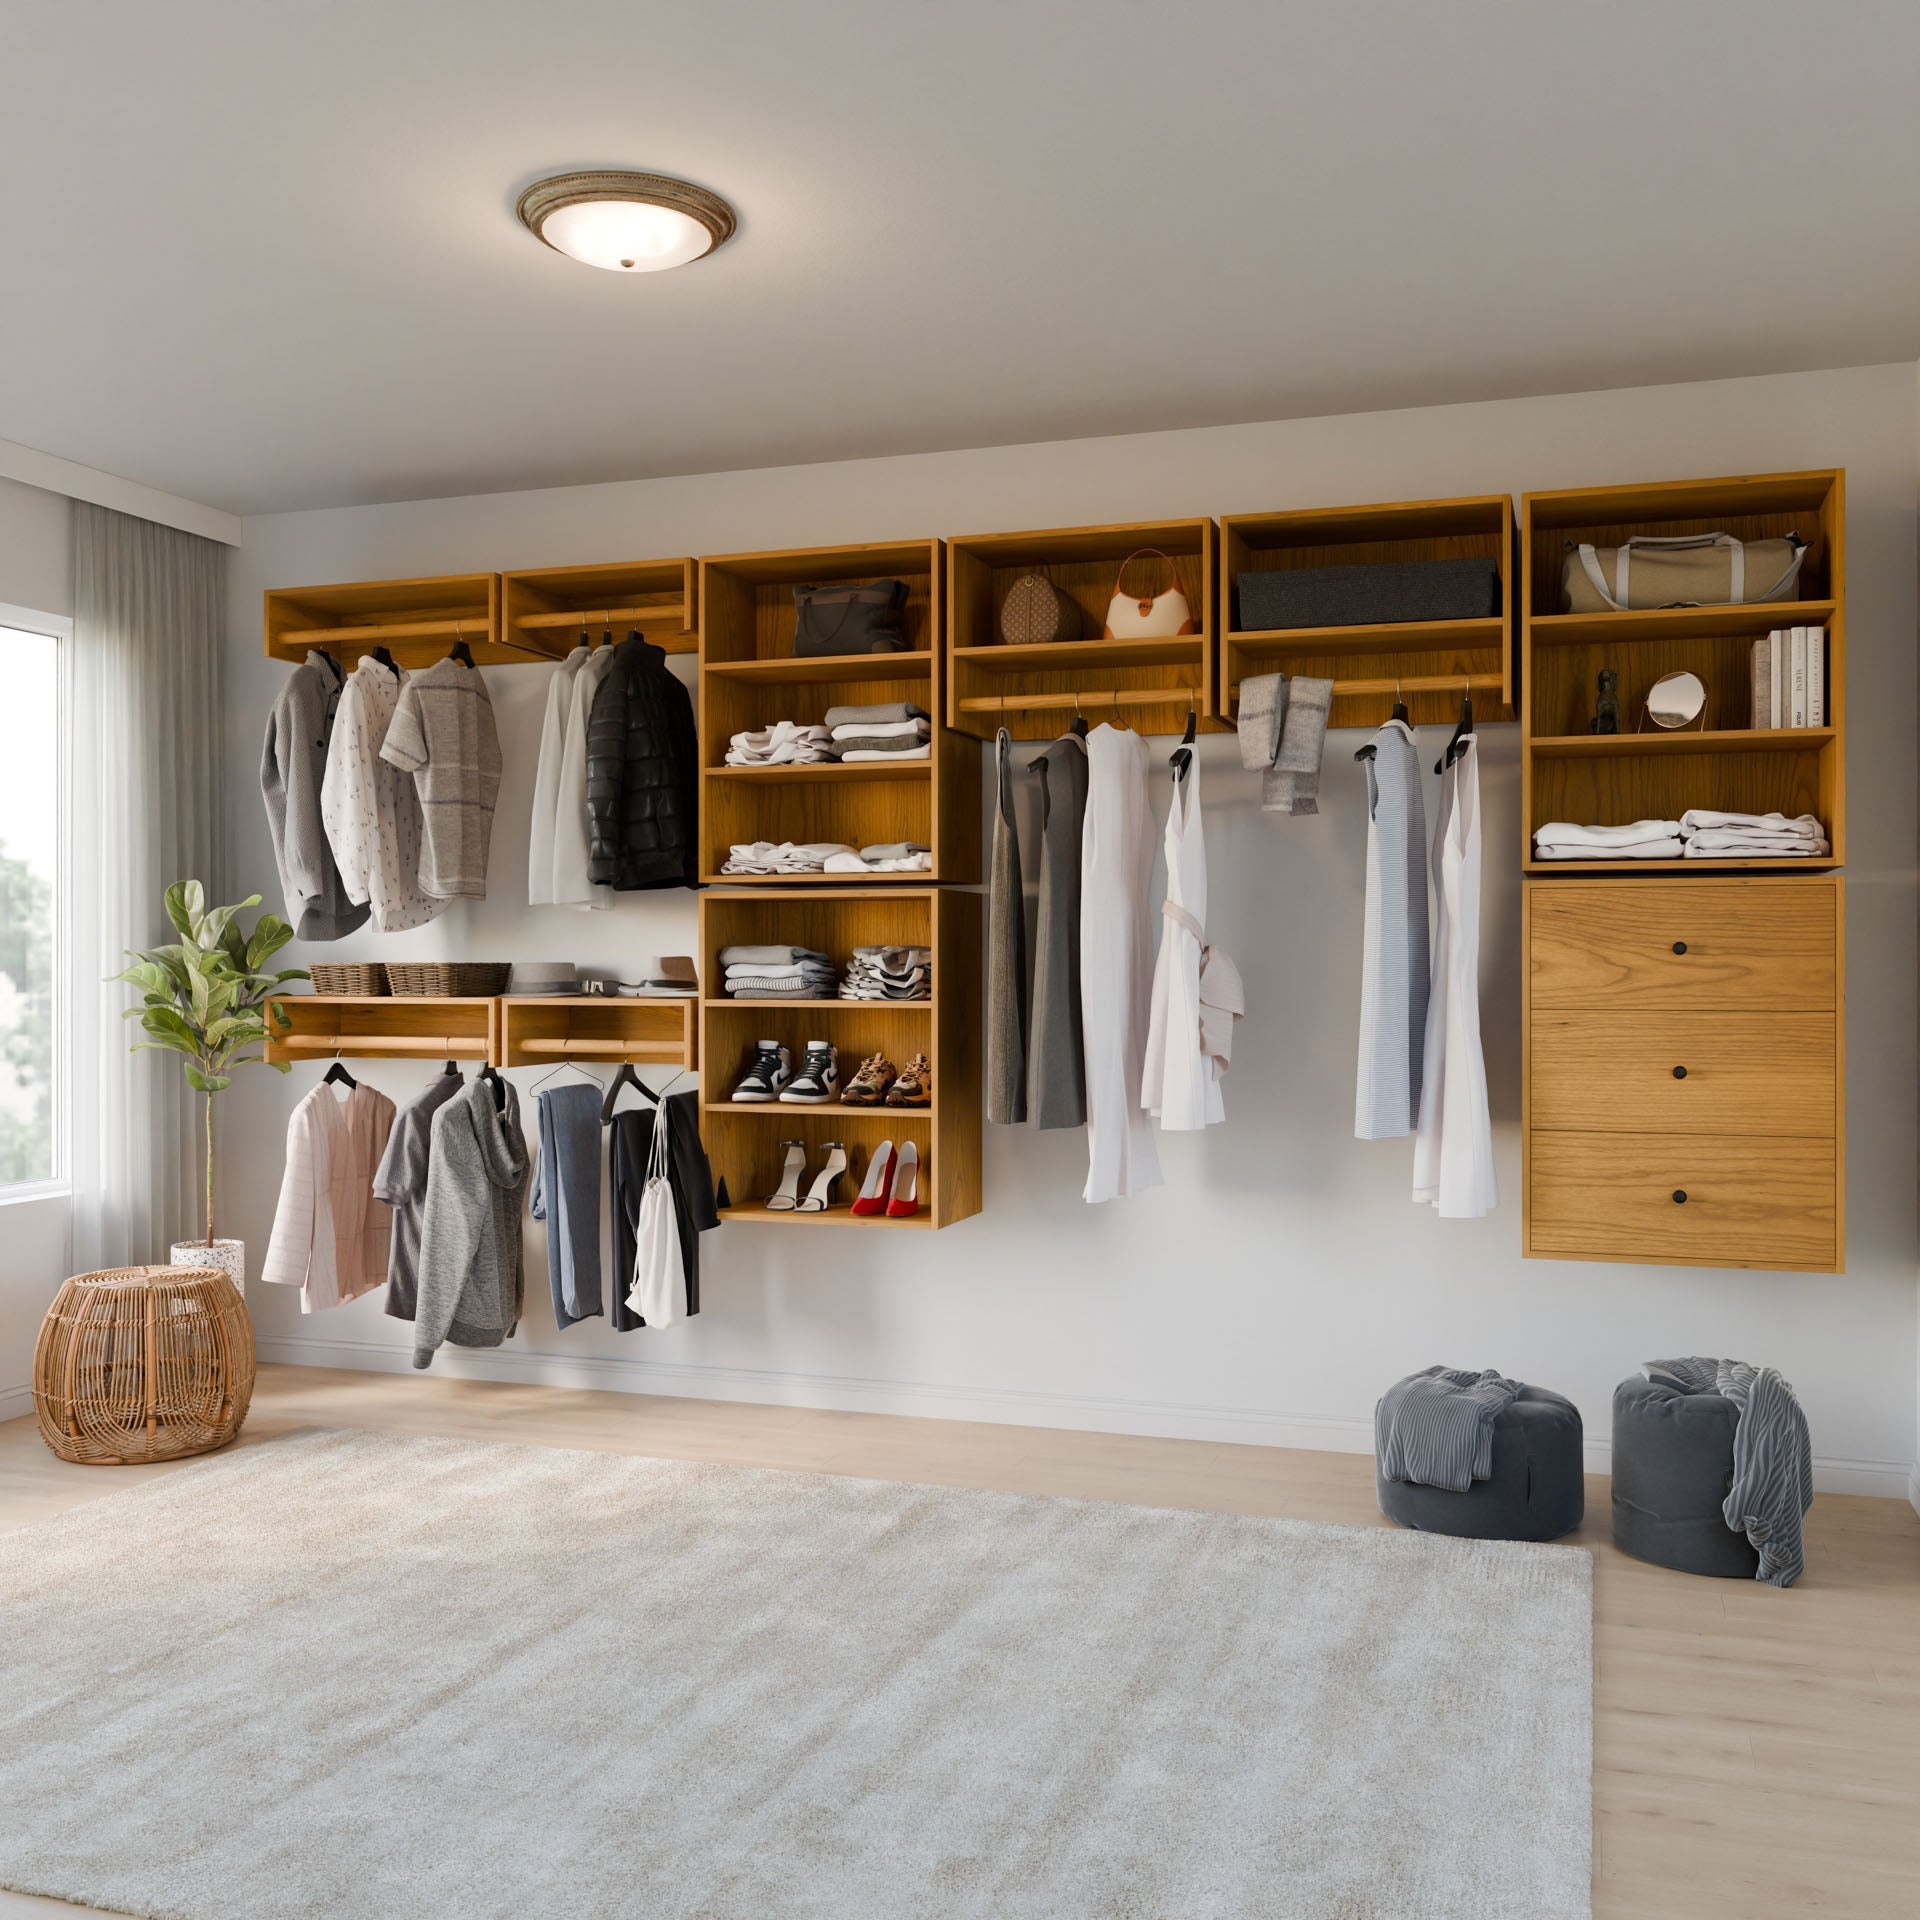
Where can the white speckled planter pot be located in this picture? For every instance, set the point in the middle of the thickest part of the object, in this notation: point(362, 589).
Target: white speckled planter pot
point(230, 1256)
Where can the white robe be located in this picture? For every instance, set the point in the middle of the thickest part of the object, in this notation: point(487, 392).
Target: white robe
point(1116, 945)
point(546, 779)
point(330, 1235)
point(1180, 1086)
point(1453, 1147)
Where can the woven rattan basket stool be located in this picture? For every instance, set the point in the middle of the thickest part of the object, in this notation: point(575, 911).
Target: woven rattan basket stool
point(143, 1363)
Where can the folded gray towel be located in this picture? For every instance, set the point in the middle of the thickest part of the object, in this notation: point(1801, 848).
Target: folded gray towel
point(768, 956)
point(1292, 783)
point(886, 714)
point(1263, 710)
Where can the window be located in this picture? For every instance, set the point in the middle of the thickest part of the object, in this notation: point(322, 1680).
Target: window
point(32, 1149)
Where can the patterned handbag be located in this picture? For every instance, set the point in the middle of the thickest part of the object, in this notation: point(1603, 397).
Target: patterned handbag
point(1037, 613)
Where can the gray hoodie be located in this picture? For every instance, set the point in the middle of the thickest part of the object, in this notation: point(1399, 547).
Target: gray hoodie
point(470, 1270)
point(292, 763)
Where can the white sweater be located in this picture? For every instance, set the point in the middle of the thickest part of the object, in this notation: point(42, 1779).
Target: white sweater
point(546, 779)
point(571, 886)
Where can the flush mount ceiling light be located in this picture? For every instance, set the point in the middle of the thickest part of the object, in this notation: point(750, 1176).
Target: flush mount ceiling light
point(625, 222)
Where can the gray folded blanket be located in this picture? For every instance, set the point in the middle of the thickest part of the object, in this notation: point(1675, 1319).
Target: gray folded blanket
point(769, 956)
point(1435, 1428)
point(887, 713)
point(1283, 728)
point(1772, 1457)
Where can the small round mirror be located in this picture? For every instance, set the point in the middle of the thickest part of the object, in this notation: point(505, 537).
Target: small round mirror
point(1676, 700)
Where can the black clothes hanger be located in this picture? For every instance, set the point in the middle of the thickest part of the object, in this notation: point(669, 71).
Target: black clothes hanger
point(337, 1075)
point(461, 652)
point(452, 1067)
point(1077, 726)
point(1399, 713)
point(606, 638)
point(499, 1087)
point(626, 1077)
point(1461, 734)
point(1182, 756)
point(333, 666)
point(385, 659)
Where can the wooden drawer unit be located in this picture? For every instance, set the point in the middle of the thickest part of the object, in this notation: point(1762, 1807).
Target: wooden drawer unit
point(1747, 1202)
point(1685, 1038)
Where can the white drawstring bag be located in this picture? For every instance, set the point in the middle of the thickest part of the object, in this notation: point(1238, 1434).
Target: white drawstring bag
point(659, 1292)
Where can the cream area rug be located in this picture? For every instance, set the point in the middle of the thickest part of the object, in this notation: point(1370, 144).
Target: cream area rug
point(359, 1676)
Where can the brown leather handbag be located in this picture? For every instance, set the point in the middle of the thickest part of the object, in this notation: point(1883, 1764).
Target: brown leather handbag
point(1038, 613)
point(1130, 618)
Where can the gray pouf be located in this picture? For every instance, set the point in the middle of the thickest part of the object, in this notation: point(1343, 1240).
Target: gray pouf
point(1536, 1490)
point(1672, 1466)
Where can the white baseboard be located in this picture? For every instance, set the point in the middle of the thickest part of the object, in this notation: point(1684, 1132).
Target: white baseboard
point(1241, 1426)
point(16, 1402)
point(1913, 1486)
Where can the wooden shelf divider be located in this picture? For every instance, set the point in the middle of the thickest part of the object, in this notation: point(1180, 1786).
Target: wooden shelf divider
point(418, 620)
point(381, 1026)
point(548, 607)
point(505, 1031)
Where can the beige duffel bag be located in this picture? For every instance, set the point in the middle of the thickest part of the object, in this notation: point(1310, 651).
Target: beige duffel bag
point(1680, 570)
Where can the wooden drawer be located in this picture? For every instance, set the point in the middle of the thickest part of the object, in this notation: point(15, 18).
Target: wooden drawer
point(1611, 947)
point(1749, 1203)
point(1740, 1073)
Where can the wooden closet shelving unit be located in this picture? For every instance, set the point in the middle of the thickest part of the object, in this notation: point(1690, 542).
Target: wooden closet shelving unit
point(744, 1140)
point(548, 608)
point(417, 621)
point(507, 1030)
point(536, 1029)
point(1683, 1022)
point(365, 1026)
point(1432, 662)
point(1032, 690)
point(751, 677)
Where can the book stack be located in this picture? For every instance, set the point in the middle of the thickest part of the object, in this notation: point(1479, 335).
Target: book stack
point(1790, 678)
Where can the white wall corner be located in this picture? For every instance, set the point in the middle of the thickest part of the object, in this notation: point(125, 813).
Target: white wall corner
point(52, 474)
point(16, 1403)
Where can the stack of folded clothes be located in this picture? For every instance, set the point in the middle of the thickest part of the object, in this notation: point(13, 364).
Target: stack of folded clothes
point(1643, 840)
point(777, 973)
point(889, 973)
point(893, 730)
point(767, 856)
point(784, 744)
point(1751, 836)
point(890, 856)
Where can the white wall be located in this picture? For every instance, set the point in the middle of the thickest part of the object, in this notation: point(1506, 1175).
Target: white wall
point(1282, 1278)
point(36, 572)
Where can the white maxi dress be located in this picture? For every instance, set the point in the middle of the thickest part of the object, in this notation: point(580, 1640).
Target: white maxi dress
point(1181, 1088)
point(1453, 1146)
point(1116, 963)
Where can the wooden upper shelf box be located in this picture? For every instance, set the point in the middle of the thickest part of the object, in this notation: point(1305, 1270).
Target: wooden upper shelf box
point(535, 1030)
point(548, 610)
point(381, 1027)
point(1032, 690)
point(417, 621)
point(1570, 773)
point(750, 677)
point(1431, 662)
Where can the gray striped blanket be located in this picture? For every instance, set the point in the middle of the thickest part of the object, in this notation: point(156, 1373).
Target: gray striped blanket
point(1435, 1428)
point(1772, 1457)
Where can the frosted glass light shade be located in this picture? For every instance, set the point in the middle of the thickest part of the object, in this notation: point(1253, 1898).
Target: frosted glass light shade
point(626, 222)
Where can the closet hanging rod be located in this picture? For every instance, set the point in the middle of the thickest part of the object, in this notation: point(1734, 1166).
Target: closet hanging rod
point(1417, 683)
point(604, 616)
point(1092, 699)
point(371, 1045)
point(445, 628)
point(657, 1052)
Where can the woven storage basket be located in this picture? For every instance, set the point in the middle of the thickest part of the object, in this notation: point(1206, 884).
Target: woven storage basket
point(450, 979)
point(348, 976)
point(143, 1363)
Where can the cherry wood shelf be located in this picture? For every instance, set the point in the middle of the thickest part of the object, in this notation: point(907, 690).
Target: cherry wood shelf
point(545, 1029)
point(1429, 662)
point(744, 1145)
point(830, 770)
point(1032, 690)
point(1753, 620)
point(547, 608)
point(1581, 746)
point(416, 620)
point(367, 1026)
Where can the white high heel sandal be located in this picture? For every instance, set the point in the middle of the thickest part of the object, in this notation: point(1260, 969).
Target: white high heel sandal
point(819, 1196)
point(786, 1197)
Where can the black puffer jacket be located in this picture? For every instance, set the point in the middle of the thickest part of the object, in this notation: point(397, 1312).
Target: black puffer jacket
point(642, 779)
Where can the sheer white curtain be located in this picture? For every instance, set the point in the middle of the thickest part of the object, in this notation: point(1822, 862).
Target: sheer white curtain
point(148, 611)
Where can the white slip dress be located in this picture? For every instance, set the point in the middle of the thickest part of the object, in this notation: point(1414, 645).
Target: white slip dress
point(1179, 1087)
point(1453, 1147)
point(1116, 961)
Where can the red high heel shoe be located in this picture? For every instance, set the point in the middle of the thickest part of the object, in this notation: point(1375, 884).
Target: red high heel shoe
point(904, 1201)
point(873, 1191)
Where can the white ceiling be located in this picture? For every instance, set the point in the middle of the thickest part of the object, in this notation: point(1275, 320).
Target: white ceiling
point(264, 255)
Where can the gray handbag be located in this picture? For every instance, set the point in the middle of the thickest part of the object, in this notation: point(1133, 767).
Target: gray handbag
point(850, 617)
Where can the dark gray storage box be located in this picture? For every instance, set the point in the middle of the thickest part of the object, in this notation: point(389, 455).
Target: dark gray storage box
point(1376, 595)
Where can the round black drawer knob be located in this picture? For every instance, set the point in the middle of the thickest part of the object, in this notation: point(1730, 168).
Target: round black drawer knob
point(1679, 946)
point(1679, 1073)
point(1679, 1196)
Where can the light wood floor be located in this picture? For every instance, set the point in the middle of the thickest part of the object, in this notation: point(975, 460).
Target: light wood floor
point(1756, 1753)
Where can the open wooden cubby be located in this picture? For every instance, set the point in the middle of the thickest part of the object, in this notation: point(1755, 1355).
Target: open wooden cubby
point(1569, 773)
point(417, 621)
point(544, 1029)
point(750, 677)
point(744, 1140)
point(375, 1027)
point(1031, 690)
point(1433, 662)
point(550, 607)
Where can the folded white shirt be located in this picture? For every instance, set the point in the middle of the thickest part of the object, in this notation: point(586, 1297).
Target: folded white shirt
point(889, 753)
point(785, 743)
point(763, 856)
point(1765, 846)
point(1564, 833)
point(847, 861)
point(1705, 820)
point(881, 730)
point(1668, 849)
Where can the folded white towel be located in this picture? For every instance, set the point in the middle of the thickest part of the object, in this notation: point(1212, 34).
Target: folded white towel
point(847, 861)
point(1762, 847)
point(763, 856)
point(900, 753)
point(882, 729)
point(1667, 849)
point(1705, 819)
point(1564, 833)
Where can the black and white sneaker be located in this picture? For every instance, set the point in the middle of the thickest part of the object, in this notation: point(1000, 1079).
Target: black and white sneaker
point(818, 1080)
point(769, 1068)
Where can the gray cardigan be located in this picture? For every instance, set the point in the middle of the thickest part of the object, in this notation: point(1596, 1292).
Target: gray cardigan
point(292, 763)
point(471, 1274)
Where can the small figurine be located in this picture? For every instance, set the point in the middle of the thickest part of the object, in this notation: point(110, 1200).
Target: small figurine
point(1607, 718)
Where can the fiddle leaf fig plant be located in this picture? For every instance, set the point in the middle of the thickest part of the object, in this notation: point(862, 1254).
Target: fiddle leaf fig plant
point(205, 995)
